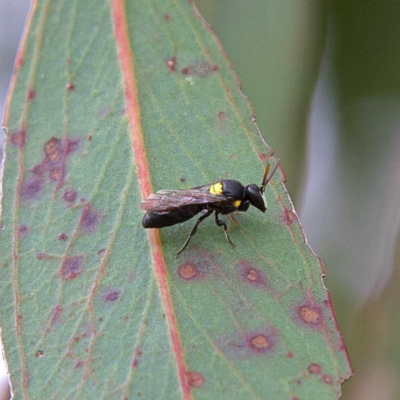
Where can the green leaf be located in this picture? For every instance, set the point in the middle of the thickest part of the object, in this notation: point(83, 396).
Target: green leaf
point(109, 102)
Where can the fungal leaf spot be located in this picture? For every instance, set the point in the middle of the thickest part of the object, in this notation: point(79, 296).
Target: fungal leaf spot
point(260, 343)
point(39, 354)
point(201, 68)
point(31, 188)
point(31, 94)
point(69, 196)
point(22, 231)
point(72, 267)
point(62, 236)
point(18, 138)
point(135, 361)
point(257, 343)
point(314, 369)
point(90, 218)
point(289, 217)
point(189, 271)
point(327, 379)
point(52, 149)
point(112, 295)
point(310, 315)
point(195, 379)
point(171, 63)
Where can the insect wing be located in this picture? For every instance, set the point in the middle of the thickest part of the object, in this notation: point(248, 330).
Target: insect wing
point(166, 200)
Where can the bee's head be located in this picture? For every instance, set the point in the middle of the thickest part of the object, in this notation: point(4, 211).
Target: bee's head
point(255, 196)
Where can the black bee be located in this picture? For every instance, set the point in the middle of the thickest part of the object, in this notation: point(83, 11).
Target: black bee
point(170, 207)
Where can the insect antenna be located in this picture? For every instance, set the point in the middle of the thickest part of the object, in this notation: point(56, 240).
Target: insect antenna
point(267, 177)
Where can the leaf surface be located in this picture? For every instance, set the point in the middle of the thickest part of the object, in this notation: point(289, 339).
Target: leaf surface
point(109, 102)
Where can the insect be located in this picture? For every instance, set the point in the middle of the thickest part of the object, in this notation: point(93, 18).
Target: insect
point(170, 207)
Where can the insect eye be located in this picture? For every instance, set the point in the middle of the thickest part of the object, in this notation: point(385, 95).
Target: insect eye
point(255, 197)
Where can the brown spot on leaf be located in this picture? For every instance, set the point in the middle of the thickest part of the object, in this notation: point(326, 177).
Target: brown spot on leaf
point(189, 271)
point(289, 217)
point(254, 344)
point(18, 138)
point(31, 188)
point(22, 231)
point(70, 86)
point(261, 343)
point(69, 196)
point(79, 364)
point(289, 354)
point(254, 277)
point(56, 174)
point(102, 252)
point(310, 314)
point(31, 94)
point(182, 179)
point(62, 236)
point(39, 354)
point(200, 68)
point(171, 64)
point(52, 149)
point(327, 379)
point(167, 18)
point(40, 255)
point(39, 169)
point(72, 267)
point(90, 218)
point(135, 361)
point(195, 379)
point(71, 145)
point(221, 115)
point(186, 70)
point(55, 154)
point(56, 317)
point(314, 369)
point(112, 295)
point(250, 274)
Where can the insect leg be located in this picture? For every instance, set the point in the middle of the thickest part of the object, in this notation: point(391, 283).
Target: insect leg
point(193, 231)
point(222, 223)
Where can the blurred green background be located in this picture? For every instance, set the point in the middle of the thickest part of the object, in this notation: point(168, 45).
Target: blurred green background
point(324, 81)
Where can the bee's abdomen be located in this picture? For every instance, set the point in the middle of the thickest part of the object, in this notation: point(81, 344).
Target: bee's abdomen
point(168, 218)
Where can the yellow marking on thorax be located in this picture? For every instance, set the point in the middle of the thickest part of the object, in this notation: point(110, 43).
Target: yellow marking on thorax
point(216, 188)
point(237, 203)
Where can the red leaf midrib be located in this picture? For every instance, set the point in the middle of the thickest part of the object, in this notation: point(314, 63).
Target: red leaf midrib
point(126, 60)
